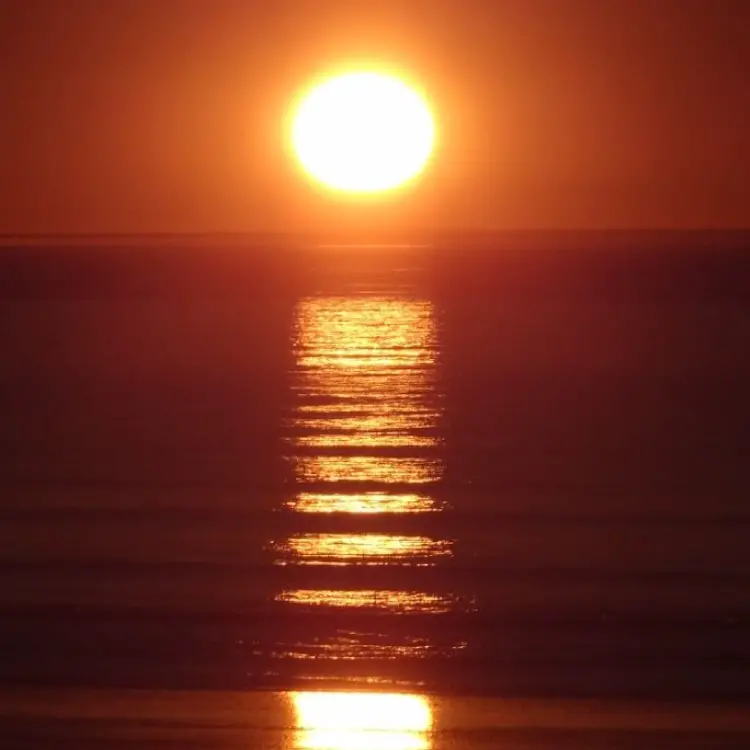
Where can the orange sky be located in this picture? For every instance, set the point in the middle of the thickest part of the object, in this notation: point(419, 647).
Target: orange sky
point(142, 116)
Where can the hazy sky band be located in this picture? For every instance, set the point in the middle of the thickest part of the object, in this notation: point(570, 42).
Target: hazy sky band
point(134, 116)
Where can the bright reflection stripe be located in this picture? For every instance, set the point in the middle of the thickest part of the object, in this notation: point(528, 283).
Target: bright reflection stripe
point(350, 549)
point(368, 440)
point(390, 600)
point(361, 721)
point(364, 502)
point(386, 469)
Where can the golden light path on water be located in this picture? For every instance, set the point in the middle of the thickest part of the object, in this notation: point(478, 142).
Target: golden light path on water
point(349, 646)
point(374, 441)
point(366, 380)
point(361, 721)
point(377, 334)
point(397, 600)
point(386, 469)
point(362, 502)
point(367, 412)
point(365, 549)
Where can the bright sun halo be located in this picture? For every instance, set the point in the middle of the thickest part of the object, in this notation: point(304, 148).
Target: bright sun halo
point(363, 132)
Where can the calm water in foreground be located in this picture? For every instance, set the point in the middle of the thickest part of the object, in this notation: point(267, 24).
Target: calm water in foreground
point(486, 494)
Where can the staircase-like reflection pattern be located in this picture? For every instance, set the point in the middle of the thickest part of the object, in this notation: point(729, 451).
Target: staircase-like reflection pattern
point(364, 442)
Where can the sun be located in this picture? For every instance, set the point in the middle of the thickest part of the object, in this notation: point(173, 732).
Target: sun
point(363, 132)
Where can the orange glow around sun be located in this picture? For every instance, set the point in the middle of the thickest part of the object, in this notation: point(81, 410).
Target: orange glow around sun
point(363, 132)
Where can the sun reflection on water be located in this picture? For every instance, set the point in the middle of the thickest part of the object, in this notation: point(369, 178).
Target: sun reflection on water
point(362, 502)
point(391, 601)
point(354, 645)
point(361, 721)
point(364, 438)
point(366, 372)
point(367, 331)
point(375, 440)
point(387, 469)
point(366, 549)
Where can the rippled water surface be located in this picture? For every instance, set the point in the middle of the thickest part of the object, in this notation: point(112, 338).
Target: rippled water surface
point(419, 471)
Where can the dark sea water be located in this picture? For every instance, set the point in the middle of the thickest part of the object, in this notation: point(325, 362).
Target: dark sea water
point(476, 492)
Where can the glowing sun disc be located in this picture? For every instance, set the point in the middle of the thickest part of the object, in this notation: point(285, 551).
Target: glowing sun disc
point(363, 132)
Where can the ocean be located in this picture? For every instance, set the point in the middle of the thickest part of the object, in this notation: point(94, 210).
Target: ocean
point(472, 491)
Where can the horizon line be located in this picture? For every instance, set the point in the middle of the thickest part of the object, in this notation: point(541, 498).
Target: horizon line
point(397, 238)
